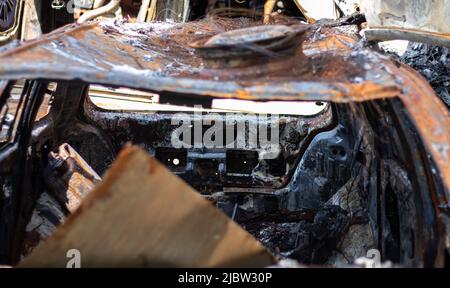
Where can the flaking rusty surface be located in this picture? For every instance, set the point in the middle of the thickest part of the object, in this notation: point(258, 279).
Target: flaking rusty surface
point(157, 57)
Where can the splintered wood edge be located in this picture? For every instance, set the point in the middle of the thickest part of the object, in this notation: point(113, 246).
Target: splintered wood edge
point(235, 248)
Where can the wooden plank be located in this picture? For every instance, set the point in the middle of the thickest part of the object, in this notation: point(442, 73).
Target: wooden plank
point(142, 215)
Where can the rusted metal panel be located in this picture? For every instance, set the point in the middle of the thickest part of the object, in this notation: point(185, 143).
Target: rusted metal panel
point(157, 57)
point(415, 20)
point(31, 26)
point(431, 16)
point(181, 229)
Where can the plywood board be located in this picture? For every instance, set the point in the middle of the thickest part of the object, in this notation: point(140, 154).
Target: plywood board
point(142, 215)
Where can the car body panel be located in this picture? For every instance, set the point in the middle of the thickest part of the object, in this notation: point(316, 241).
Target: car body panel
point(150, 57)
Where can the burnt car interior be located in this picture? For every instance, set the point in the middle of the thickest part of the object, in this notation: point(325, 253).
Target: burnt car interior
point(343, 182)
point(348, 176)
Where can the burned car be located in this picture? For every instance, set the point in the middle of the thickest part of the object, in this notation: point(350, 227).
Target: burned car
point(360, 159)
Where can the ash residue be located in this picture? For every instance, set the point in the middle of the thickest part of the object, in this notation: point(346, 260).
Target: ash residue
point(307, 241)
point(278, 237)
point(433, 63)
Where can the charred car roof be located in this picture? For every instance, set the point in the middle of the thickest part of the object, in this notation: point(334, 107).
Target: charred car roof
point(169, 59)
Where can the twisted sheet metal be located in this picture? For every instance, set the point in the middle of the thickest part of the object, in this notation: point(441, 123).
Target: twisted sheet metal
point(156, 57)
